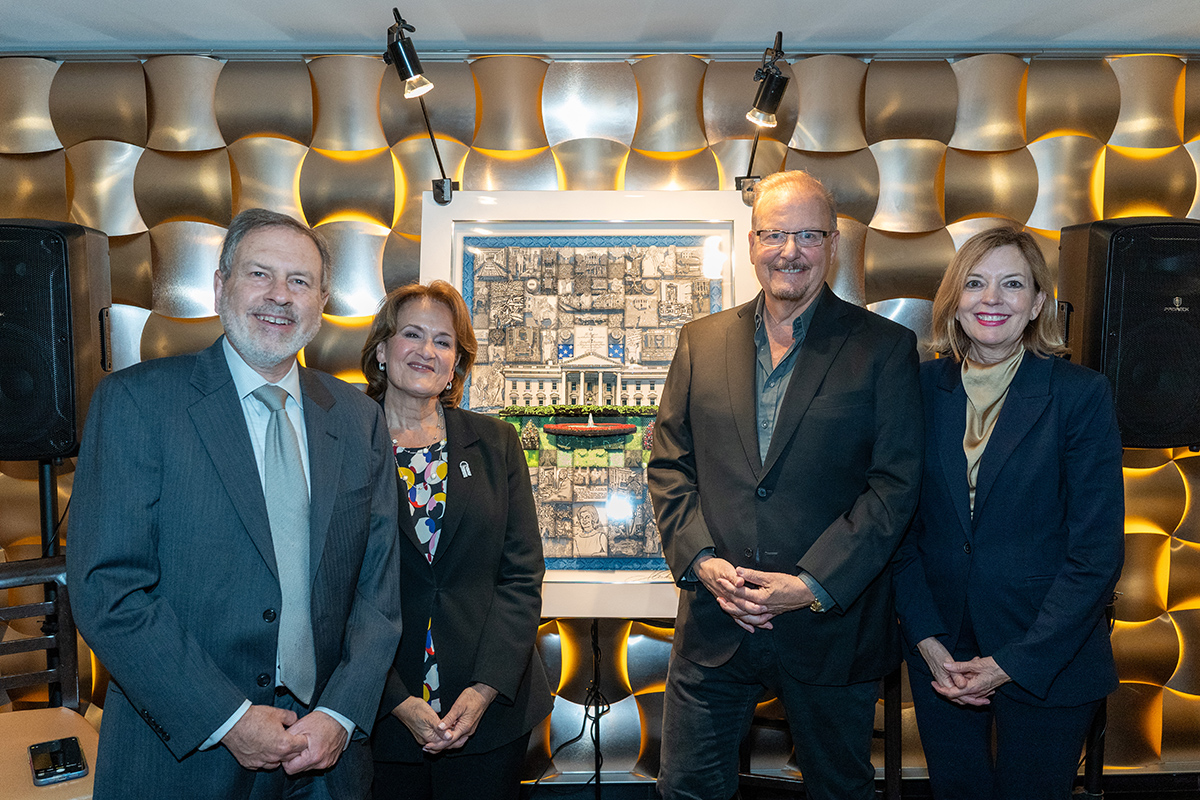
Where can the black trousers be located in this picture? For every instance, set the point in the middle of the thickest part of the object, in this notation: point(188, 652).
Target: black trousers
point(479, 776)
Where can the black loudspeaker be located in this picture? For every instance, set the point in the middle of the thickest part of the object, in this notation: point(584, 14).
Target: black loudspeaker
point(1131, 292)
point(55, 297)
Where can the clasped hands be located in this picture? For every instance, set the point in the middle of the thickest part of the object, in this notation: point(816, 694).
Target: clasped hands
point(967, 683)
point(451, 731)
point(267, 737)
point(752, 597)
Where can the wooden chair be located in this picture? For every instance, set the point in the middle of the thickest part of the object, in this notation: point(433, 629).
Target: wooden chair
point(19, 729)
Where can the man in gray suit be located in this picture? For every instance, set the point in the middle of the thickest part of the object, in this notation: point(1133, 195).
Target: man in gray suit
point(232, 549)
point(786, 463)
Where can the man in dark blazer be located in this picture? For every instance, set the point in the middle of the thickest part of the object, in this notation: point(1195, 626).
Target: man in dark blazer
point(787, 458)
point(176, 563)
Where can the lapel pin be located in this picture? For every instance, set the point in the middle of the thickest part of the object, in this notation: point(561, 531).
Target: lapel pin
point(466, 469)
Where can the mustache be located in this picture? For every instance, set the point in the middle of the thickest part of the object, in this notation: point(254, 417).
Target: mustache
point(272, 310)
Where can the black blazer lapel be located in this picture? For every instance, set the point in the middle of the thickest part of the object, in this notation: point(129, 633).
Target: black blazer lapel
point(1027, 399)
point(948, 427)
point(740, 362)
point(821, 344)
point(324, 462)
point(221, 428)
point(464, 472)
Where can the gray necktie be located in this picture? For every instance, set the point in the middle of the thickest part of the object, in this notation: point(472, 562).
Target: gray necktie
point(286, 493)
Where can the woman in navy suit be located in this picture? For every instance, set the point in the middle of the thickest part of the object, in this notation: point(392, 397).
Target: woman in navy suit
point(1017, 543)
point(466, 687)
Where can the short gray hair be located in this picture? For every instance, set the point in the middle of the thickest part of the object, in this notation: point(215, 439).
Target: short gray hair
point(253, 219)
point(793, 179)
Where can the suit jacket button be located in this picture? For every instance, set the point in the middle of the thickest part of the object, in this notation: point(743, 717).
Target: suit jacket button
point(264, 680)
point(748, 553)
point(762, 492)
point(967, 548)
point(269, 615)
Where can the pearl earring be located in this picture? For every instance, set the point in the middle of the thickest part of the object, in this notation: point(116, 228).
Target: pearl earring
point(448, 385)
point(382, 367)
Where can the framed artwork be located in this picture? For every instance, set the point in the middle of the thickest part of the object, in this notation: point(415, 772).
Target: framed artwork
point(574, 307)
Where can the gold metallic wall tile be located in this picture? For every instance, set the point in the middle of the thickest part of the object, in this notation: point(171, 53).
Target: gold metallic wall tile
point(1191, 102)
point(1143, 583)
point(1183, 592)
point(591, 163)
point(905, 265)
point(102, 195)
point(172, 336)
point(1066, 167)
point(1181, 727)
point(668, 112)
point(127, 324)
point(418, 166)
point(493, 170)
point(989, 95)
point(356, 250)
point(129, 266)
point(25, 125)
point(401, 260)
point(589, 100)
point(35, 185)
point(914, 313)
point(184, 258)
point(622, 734)
point(1134, 737)
point(19, 499)
point(647, 652)
point(451, 104)
point(1150, 114)
point(337, 347)
point(184, 186)
point(1148, 182)
point(1139, 458)
point(830, 118)
point(346, 102)
point(733, 159)
point(1071, 96)
point(990, 184)
point(265, 98)
point(99, 100)
point(650, 708)
point(1189, 526)
point(910, 100)
point(360, 185)
point(1193, 150)
point(181, 94)
point(852, 177)
point(964, 229)
point(1187, 624)
point(847, 276)
point(693, 172)
point(729, 92)
point(910, 185)
point(1146, 652)
point(1155, 499)
point(509, 89)
point(265, 174)
point(576, 643)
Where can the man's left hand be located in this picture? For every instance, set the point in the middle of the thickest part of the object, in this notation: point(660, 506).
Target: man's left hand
point(983, 677)
point(326, 740)
point(766, 595)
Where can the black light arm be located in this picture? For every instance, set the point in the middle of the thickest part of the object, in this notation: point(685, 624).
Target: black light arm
point(762, 114)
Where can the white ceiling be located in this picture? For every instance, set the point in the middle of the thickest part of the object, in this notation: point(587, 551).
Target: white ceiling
point(601, 28)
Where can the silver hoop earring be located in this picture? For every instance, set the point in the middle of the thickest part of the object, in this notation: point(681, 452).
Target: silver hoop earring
point(382, 367)
point(449, 385)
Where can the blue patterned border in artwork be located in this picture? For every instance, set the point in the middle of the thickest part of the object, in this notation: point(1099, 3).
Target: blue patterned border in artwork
point(606, 563)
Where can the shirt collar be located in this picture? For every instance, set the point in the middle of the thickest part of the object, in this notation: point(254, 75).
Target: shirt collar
point(800, 324)
point(246, 380)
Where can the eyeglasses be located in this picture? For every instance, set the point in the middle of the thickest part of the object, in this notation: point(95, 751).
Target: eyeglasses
point(773, 238)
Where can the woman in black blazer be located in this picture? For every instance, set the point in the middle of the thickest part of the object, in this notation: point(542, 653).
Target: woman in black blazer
point(1003, 579)
point(466, 687)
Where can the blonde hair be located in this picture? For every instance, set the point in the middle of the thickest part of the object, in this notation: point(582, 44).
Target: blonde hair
point(1041, 336)
point(387, 322)
point(799, 181)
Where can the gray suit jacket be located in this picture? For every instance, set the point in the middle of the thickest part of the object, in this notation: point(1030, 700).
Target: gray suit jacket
point(172, 570)
point(834, 495)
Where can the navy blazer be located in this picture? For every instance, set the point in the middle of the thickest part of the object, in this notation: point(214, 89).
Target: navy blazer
point(1036, 566)
point(833, 497)
point(483, 592)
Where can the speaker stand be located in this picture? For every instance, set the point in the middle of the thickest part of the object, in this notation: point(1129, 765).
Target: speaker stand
point(48, 496)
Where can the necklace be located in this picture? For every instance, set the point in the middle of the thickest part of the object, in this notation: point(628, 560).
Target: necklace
point(441, 429)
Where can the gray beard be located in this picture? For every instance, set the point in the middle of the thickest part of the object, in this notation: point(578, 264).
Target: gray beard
point(259, 355)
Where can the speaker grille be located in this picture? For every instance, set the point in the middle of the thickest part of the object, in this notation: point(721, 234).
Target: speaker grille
point(1151, 341)
point(35, 344)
